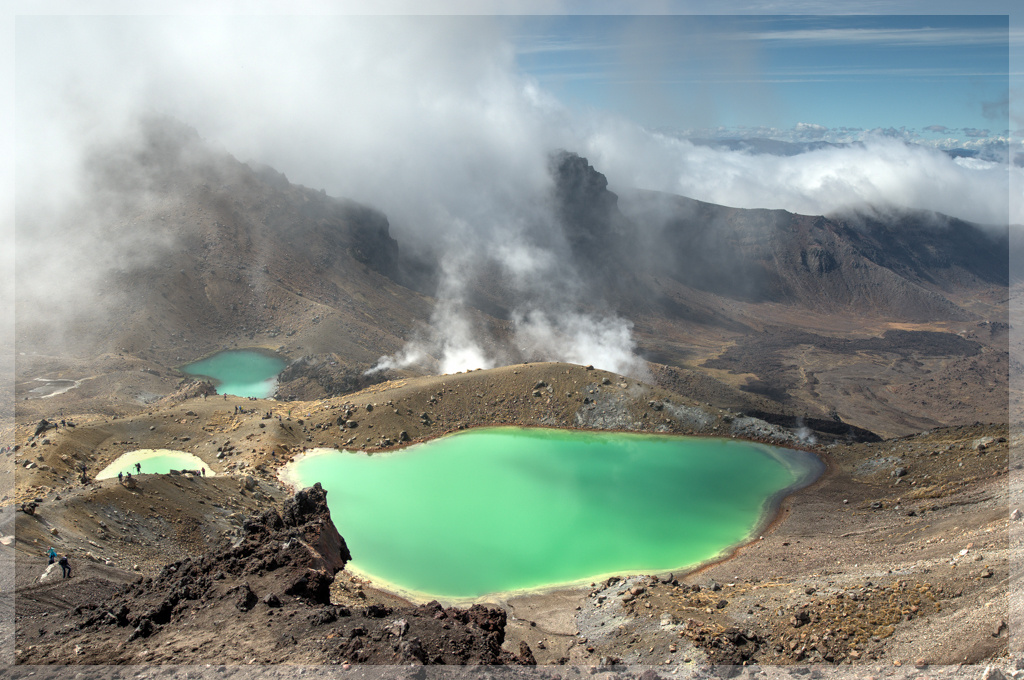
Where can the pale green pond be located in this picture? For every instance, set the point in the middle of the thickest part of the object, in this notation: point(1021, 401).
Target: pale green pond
point(508, 509)
point(244, 373)
point(153, 462)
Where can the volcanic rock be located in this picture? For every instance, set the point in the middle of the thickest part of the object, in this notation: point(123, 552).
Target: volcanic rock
point(290, 558)
point(43, 426)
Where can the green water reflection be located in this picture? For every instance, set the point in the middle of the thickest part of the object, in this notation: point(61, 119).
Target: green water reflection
point(505, 509)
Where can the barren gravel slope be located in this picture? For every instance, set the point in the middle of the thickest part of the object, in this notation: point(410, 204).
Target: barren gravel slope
point(863, 567)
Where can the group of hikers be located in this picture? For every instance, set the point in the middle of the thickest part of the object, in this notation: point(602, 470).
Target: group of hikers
point(121, 476)
point(65, 566)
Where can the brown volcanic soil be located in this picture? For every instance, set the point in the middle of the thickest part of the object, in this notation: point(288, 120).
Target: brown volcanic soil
point(896, 383)
point(864, 567)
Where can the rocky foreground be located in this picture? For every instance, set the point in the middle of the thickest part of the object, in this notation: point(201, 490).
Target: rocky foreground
point(898, 561)
point(265, 599)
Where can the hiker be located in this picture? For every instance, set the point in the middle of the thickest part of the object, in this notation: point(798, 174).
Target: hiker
point(202, 471)
point(52, 555)
point(120, 477)
point(138, 468)
point(65, 566)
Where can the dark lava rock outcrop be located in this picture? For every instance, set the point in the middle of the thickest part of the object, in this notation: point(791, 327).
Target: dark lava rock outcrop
point(586, 208)
point(190, 388)
point(265, 599)
point(321, 376)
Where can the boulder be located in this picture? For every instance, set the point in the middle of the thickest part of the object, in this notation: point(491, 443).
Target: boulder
point(982, 443)
point(51, 573)
point(525, 656)
point(244, 598)
point(399, 627)
point(799, 619)
point(410, 652)
point(143, 630)
point(43, 426)
point(308, 511)
point(313, 585)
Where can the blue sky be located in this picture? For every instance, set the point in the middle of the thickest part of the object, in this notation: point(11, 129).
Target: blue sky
point(695, 64)
point(923, 73)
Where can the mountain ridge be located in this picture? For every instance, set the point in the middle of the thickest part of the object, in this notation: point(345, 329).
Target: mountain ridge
point(221, 254)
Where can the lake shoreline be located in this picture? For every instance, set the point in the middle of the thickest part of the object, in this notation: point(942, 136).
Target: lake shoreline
point(805, 466)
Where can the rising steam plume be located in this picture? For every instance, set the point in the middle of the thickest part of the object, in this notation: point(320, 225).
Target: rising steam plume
point(429, 120)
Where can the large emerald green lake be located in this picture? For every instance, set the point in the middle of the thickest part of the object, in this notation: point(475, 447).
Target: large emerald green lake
point(244, 373)
point(507, 509)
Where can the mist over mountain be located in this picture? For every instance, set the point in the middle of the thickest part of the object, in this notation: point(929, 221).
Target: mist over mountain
point(430, 126)
point(173, 249)
point(897, 266)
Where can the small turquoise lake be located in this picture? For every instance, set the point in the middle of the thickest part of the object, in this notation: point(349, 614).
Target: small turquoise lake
point(153, 462)
point(244, 373)
point(507, 509)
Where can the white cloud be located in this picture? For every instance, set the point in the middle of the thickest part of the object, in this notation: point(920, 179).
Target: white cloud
point(890, 36)
point(812, 128)
point(880, 171)
point(428, 119)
